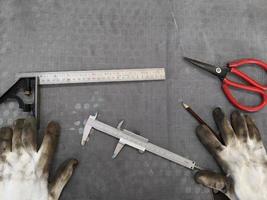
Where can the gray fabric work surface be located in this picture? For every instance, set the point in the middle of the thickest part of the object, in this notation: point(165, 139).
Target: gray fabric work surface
point(51, 35)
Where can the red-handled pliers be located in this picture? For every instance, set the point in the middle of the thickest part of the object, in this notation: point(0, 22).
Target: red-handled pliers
point(232, 67)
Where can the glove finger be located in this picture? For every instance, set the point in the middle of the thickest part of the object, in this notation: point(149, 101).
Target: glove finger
point(48, 146)
point(29, 134)
point(253, 131)
point(209, 140)
point(212, 180)
point(16, 139)
point(5, 140)
point(223, 125)
point(63, 176)
point(239, 125)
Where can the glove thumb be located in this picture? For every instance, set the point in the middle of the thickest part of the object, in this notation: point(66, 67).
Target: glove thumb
point(212, 180)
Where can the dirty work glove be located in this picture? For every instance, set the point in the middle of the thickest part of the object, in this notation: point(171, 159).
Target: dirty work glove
point(243, 158)
point(24, 170)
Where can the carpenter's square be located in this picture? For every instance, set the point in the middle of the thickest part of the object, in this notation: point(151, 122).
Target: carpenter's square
point(25, 89)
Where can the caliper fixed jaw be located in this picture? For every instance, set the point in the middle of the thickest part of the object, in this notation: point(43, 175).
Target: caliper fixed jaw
point(88, 129)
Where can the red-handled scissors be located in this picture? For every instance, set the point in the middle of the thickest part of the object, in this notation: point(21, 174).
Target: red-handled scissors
point(232, 67)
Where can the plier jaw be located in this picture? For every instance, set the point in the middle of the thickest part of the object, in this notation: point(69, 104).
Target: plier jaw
point(220, 72)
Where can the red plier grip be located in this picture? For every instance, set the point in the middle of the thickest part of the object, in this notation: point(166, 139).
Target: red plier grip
point(226, 88)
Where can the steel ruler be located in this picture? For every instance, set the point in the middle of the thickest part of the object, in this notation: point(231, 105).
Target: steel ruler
point(136, 141)
point(93, 76)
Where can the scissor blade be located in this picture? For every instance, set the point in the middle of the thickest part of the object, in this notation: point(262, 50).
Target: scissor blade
point(217, 71)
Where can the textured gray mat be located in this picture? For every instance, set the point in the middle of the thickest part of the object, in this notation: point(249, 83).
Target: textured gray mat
point(49, 35)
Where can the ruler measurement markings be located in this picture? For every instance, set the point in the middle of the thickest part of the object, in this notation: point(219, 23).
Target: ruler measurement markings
point(68, 77)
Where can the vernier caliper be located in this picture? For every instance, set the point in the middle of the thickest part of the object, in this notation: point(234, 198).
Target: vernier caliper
point(136, 141)
point(25, 89)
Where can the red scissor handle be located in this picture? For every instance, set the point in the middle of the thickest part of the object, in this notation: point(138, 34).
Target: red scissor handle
point(235, 64)
point(226, 88)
